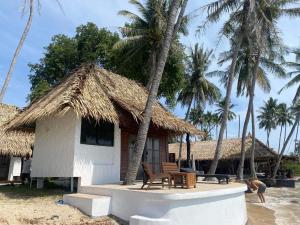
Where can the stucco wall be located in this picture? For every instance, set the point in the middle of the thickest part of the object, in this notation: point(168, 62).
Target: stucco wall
point(97, 164)
point(14, 167)
point(53, 154)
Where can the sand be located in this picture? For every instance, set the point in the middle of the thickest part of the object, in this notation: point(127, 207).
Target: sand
point(22, 210)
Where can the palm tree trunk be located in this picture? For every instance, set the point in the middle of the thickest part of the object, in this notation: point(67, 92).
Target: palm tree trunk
point(236, 48)
point(279, 145)
point(252, 159)
point(151, 68)
point(226, 131)
point(181, 137)
point(218, 152)
point(284, 133)
point(285, 145)
point(240, 172)
point(188, 149)
point(17, 52)
point(268, 137)
point(171, 31)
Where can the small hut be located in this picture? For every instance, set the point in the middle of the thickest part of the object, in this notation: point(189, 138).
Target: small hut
point(13, 145)
point(203, 152)
point(86, 127)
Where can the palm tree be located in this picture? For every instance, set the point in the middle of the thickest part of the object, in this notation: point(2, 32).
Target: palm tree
point(266, 117)
point(18, 49)
point(198, 89)
point(146, 32)
point(251, 20)
point(296, 112)
point(295, 73)
point(284, 118)
point(173, 24)
point(221, 110)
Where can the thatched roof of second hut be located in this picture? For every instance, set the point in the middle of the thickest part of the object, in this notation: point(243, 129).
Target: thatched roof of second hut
point(95, 92)
point(205, 150)
point(17, 143)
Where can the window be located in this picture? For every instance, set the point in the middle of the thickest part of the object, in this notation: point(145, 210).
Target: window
point(96, 132)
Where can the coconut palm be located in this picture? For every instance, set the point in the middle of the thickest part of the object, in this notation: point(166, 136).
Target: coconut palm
point(296, 111)
point(284, 118)
point(146, 32)
point(221, 110)
point(295, 73)
point(266, 117)
point(251, 20)
point(198, 89)
point(18, 49)
point(173, 24)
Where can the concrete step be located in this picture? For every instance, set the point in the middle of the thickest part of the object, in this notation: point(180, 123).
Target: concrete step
point(92, 205)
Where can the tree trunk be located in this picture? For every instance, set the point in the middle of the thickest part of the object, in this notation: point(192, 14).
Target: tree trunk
point(240, 172)
point(268, 137)
point(279, 145)
point(218, 152)
point(181, 137)
point(226, 131)
point(284, 138)
point(188, 149)
point(151, 68)
point(252, 159)
point(171, 31)
point(17, 52)
point(285, 145)
point(239, 34)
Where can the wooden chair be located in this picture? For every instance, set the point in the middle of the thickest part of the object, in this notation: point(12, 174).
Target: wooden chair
point(150, 177)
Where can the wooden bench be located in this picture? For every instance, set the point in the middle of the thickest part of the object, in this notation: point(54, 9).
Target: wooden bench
point(220, 177)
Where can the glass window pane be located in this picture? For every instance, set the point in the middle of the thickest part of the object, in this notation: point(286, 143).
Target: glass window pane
point(149, 143)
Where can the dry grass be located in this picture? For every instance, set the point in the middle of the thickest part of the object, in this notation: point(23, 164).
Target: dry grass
point(231, 148)
point(94, 92)
point(15, 142)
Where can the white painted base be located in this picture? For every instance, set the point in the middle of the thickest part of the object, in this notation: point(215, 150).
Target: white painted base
point(92, 205)
point(222, 206)
point(141, 220)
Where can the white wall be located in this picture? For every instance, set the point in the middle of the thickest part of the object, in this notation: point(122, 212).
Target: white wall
point(97, 164)
point(53, 154)
point(14, 167)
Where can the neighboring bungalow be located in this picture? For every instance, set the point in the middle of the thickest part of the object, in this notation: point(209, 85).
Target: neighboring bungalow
point(85, 128)
point(203, 153)
point(13, 145)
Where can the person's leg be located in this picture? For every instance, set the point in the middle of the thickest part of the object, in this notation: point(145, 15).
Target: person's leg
point(260, 198)
point(263, 197)
point(22, 178)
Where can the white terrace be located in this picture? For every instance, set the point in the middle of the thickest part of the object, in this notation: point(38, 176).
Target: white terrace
point(208, 203)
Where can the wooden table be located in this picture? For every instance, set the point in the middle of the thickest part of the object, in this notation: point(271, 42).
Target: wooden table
point(183, 179)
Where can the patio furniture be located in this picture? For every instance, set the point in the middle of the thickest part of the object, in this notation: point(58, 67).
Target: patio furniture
point(220, 177)
point(150, 177)
point(184, 179)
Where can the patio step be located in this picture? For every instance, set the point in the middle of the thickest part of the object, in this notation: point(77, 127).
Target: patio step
point(92, 205)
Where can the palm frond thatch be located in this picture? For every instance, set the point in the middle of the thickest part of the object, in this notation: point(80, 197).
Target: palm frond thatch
point(231, 149)
point(97, 93)
point(16, 143)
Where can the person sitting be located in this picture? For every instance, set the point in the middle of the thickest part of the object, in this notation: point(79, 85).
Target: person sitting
point(258, 185)
point(26, 169)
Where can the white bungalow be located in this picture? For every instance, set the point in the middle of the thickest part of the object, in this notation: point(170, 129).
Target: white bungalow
point(85, 128)
point(13, 146)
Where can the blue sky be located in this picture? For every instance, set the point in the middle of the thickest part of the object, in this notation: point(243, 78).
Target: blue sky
point(51, 20)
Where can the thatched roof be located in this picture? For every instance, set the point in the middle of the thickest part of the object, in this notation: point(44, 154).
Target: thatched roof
point(16, 143)
point(205, 150)
point(94, 92)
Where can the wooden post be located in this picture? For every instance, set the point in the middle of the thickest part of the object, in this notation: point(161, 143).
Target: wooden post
point(71, 184)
